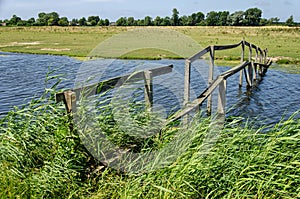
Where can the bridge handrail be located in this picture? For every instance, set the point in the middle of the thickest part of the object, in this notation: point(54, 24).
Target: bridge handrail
point(260, 66)
point(70, 96)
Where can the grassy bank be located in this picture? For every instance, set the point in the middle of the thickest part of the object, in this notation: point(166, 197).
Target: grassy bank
point(41, 158)
point(282, 42)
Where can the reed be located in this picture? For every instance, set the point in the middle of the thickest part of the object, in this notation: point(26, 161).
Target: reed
point(41, 158)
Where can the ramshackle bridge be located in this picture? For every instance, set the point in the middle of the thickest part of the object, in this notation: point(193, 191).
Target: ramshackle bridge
point(252, 69)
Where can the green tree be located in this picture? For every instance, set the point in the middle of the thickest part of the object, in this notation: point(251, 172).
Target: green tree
point(236, 18)
point(212, 18)
point(106, 22)
point(47, 19)
point(185, 20)
point(121, 21)
point(166, 21)
point(93, 20)
point(82, 21)
point(22, 23)
point(290, 21)
point(157, 21)
point(103, 22)
point(53, 18)
point(253, 17)
point(42, 19)
point(63, 21)
point(14, 20)
point(200, 18)
point(273, 21)
point(131, 21)
point(31, 21)
point(175, 17)
point(147, 21)
point(74, 22)
point(263, 22)
point(223, 18)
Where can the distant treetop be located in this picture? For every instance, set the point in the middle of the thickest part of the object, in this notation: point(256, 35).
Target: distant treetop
point(250, 17)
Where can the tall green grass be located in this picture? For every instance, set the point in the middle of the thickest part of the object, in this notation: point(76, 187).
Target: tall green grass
point(41, 158)
point(244, 163)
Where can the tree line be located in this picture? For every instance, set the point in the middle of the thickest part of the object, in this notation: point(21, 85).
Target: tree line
point(250, 17)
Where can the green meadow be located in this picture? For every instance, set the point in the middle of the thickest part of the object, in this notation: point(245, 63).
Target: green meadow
point(282, 42)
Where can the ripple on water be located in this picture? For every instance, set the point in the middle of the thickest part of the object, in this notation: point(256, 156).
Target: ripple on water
point(24, 75)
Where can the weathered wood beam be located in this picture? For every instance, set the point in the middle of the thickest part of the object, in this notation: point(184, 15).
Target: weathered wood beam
point(204, 95)
point(103, 86)
point(199, 54)
point(210, 78)
point(148, 79)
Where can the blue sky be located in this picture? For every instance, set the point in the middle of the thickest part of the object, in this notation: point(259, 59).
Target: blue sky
point(114, 9)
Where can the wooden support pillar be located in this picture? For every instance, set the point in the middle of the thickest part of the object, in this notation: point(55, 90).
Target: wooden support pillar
point(211, 77)
point(222, 97)
point(70, 104)
point(250, 67)
point(265, 56)
point(187, 81)
point(261, 57)
point(260, 70)
point(255, 66)
point(247, 78)
point(242, 60)
point(148, 79)
point(70, 101)
point(265, 61)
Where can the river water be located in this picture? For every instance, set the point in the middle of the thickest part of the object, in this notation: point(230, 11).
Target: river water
point(23, 78)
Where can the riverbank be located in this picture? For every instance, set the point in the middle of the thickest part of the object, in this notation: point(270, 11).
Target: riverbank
point(78, 42)
point(42, 158)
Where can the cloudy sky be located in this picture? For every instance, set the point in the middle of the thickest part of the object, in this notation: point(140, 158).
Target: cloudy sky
point(114, 9)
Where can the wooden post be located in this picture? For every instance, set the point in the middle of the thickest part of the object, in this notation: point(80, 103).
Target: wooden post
point(222, 97)
point(255, 66)
point(70, 104)
point(265, 55)
point(247, 77)
point(148, 79)
point(210, 77)
point(187, 81)
point(261, 57)
point(242, 60)
point(70, 101)
point(250, 67)
point(261, 62)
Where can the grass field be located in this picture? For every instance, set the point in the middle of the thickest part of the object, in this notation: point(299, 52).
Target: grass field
point(283, 43)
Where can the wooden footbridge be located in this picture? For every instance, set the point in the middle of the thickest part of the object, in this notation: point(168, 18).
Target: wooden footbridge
point(252, 68)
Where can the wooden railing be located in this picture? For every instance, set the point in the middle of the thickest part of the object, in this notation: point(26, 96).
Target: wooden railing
point(252, 69)
point(70, 97)
point(256, 68)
